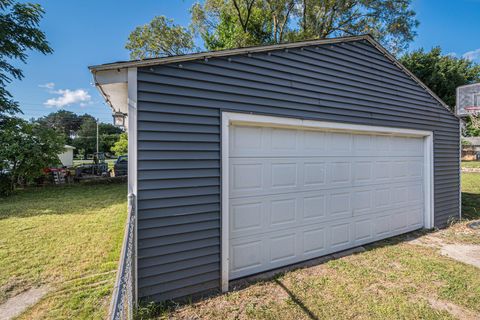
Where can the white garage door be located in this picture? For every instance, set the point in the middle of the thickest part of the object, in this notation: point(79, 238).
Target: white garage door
point(298, 194)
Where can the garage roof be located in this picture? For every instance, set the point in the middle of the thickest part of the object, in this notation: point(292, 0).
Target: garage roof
point(256, 49)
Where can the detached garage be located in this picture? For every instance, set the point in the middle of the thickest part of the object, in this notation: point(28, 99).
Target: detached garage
point(247, 160)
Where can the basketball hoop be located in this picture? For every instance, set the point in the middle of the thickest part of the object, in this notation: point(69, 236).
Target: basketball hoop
point(468, 100)
point(472, 110)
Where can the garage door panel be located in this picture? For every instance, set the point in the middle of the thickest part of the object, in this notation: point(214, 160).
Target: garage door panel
point(270, 142)
point(248, 176)
point(299, 194)
point(284, 174)
point(247, 216)
point(314, 173)
point(246, 255)
point(415, 217)
point(282, 247)
point(314, 207)
point(278, 175)
point(254, 215)
point(283, 211)
point(272, 250)
point(362, 201)
point(314, 241)
point(363, 230)
point(363, 171)
point(340, 235)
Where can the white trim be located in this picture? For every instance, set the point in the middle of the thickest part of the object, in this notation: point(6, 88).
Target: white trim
point(259, 120)
point(132, 153)
point(225, 193)
point(229, 118)
point(428, 182)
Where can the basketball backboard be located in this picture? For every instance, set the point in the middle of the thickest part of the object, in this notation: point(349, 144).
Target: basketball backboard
point(468, 100)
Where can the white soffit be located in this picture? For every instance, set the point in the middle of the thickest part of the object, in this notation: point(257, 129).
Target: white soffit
point(112, 85)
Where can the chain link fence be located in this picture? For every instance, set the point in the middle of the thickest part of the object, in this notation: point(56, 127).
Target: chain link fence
point(123, 299)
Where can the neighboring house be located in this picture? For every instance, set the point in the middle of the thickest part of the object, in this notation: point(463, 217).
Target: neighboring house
point(66, 158)
point(251, 159)
point(471, 150)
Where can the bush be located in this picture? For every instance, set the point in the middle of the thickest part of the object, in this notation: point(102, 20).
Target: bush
point(26, 149)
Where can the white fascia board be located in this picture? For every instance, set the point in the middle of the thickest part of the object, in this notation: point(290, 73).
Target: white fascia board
point(132, 158)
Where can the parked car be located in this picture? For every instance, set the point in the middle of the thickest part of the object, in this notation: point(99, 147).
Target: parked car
point(120, 168)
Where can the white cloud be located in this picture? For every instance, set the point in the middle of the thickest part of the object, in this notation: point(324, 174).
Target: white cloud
point(472, 55)
point(48, 85)
point(68, 97)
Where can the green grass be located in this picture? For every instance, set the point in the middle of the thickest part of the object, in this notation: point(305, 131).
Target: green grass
point(470, 164)
point(67, 238)
point(393, 279)
point(471, 195)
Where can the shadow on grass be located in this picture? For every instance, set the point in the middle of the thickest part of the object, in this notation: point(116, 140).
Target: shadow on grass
point(297, 301)
point(68, 199)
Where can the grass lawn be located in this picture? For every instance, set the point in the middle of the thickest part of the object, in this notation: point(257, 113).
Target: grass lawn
point(66, 238)
point(470, 164)
point(69, 239)
point(392, 279)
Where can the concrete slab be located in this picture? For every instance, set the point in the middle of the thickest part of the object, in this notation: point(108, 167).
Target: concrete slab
point(16, 305)
point(466, 253)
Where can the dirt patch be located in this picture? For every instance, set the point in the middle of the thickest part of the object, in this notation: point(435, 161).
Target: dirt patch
point(456, 311)
point(429, 241)
point(469, 254)
point(13, 287)
point(14, 306)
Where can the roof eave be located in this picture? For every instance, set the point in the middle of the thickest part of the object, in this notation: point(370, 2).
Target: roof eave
point(223, 53)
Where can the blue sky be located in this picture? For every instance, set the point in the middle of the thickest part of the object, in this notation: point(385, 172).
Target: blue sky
point(88, 32)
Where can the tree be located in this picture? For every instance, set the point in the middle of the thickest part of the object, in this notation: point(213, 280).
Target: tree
point(26, 148)
point(472, 126)
point(441, 73)
point(19, 33)
point(121, 146)
point(225, 24)
point(237, 23)
point(86, 140)
point(64, 122)
point(160, 37)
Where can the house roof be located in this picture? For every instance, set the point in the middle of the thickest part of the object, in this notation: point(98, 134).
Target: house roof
point(265, 48)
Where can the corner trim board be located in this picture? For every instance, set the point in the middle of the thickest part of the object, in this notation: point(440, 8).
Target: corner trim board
point(229, 118)
point(132, 156)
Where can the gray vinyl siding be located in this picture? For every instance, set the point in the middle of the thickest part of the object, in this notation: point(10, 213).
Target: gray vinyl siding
point(179, 110)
